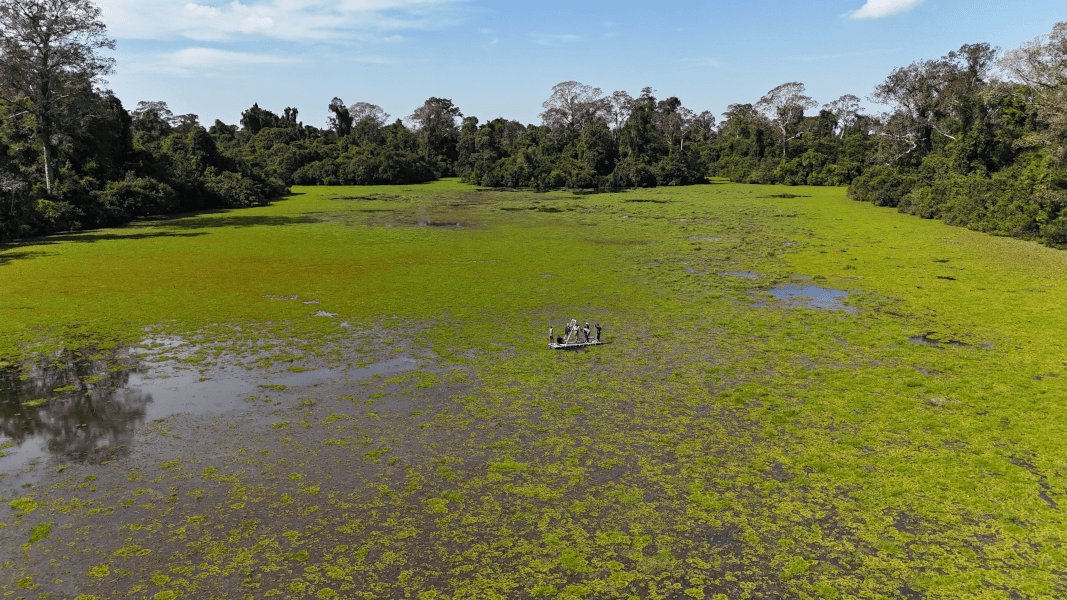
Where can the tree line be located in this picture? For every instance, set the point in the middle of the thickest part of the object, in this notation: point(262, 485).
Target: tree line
point(976, 137)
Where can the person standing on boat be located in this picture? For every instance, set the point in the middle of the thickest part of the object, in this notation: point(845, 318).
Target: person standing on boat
point(550, 337)
point(585, 330)
point(598, 332)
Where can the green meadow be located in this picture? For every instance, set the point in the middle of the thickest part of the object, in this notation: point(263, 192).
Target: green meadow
point(724, 443)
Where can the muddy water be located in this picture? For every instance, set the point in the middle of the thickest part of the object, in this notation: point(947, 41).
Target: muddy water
point(84, 410)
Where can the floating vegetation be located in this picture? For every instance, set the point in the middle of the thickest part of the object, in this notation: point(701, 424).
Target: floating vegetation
point(213, 439)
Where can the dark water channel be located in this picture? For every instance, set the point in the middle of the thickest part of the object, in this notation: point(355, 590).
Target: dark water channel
point(80, 409)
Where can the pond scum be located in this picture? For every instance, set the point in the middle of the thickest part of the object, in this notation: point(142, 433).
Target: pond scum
point(722, 444)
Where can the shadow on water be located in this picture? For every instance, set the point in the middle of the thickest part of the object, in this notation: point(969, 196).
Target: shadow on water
point(80, 409)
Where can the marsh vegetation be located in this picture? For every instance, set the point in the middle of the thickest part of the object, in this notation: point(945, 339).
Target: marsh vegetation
point(727, 443)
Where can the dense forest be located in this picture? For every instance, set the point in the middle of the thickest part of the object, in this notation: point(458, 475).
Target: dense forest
point(977, 138)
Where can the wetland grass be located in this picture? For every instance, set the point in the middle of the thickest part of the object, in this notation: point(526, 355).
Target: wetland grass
point(714, 449)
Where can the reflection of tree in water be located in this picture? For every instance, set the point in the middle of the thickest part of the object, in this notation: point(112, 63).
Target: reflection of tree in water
point(94, 421)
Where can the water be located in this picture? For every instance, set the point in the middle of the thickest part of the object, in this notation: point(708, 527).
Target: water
point(927, 339)
point(812, 296)
point(79, 409)
point(747, 274)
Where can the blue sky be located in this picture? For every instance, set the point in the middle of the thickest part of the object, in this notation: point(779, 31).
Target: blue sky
point(215, 58)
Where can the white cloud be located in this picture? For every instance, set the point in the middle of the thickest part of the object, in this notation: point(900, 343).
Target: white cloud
point(195, 11)
point(554, 39)
point(705, 61)
point(214, 58)
point(875, 9)
point(204, 62)
point(294, 20)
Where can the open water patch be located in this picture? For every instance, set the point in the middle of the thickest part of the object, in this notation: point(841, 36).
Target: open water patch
point(810, 296)
point(90, 410)
point(745, 274)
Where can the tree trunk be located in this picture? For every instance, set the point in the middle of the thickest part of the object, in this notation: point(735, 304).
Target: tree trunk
point(46, 137)
point(47, 167)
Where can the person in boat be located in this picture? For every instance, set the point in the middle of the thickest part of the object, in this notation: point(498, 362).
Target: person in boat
point(585, 330)
point(551, 338)
point(598, 332)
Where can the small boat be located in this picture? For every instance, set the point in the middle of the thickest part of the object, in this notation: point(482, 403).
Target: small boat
point(566, 345)
point(572, 337)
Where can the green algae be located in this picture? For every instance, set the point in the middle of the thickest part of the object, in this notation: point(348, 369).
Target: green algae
point(714, 447)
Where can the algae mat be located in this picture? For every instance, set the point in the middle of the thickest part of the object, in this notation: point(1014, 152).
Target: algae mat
point(800, 397)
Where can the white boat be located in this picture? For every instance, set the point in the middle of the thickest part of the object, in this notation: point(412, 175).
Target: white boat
point(566, 345)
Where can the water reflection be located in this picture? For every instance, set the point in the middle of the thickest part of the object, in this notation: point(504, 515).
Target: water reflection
point(78, 407)
point(81, 408)
point(811, 296)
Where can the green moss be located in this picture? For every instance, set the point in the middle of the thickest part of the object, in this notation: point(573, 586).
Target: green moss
point(40, 532)
point(24, 504)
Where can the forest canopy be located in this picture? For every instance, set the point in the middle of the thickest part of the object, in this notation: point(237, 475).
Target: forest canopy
point(977, 137)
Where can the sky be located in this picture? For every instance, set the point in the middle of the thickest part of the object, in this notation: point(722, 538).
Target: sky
point(500, 59)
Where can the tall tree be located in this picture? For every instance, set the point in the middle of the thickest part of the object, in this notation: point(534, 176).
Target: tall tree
point(914, 93)
point(437, 123)
point(784, 107)
point(845, 110)
point(341, 121)
point(571, 107)
point(1041, 64)
point(257, 119)
point(702, 127)
point(619, 106)
point(366, 110)
point(51, 53)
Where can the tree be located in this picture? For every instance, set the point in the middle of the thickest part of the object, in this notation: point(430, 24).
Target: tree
point(50, 54)
point(619, 107)
point(366, 110)
point(674, 121)
point(257, 119)
point(571, 107)
point(702, 127)
point(152, 120)
point(784, 106)
point(289, 117)
point(437, 123)
point(845, 110)
point(1041, 64)
point(915, 95)
point(341, 121)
